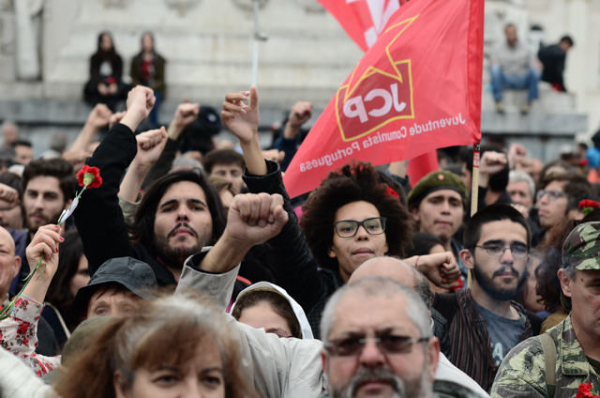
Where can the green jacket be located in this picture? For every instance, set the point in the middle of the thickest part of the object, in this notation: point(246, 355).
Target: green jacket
point(523, 371)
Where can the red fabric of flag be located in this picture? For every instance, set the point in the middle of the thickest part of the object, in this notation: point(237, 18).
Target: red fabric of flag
point(422, 165)
point(363, 20)
point(418, 88)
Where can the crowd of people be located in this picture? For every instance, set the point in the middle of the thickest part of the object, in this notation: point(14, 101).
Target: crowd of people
point(190, 272)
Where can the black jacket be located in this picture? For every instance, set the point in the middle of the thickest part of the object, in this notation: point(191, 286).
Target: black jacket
point(99, 218)
point(553, 58)
point(292, 263)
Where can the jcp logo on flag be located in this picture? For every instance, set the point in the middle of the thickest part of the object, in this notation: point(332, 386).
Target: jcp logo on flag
point(388, 87)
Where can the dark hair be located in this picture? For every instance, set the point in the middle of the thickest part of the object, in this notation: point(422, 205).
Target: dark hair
point(523, 290)
point(21, 142)
point(394, 186)
point(577, 189)
point(277, 302)
point(59, 292)
point(568, 39)
point(492, 213)
point(221, 156)
point(422, 242)
point(14, 181)
point(548, 286)
point(112, 50)
point(147, 33)
point(57, 168)
point(498, 181)
point(143, 224)
point(547, 179)
point(352, 183)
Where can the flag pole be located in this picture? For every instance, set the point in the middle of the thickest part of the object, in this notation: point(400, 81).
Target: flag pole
point(256, 39)
point(474, 189)
point(475, 179)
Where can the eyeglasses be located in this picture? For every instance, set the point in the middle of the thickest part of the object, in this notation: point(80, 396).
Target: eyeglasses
point(518, 250)
point(348, 228)
point(387, 344)
point(552, 195)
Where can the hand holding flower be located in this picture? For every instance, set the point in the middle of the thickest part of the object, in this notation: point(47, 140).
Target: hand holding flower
point(43, 248)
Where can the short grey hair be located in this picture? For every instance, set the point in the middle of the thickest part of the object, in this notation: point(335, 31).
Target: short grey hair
point(377, 286)
point(185, 162)
point(518, 175)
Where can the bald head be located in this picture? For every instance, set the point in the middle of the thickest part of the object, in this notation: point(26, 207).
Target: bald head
point(7, 241)
point(397, 270)
point(9, 263)
point(387, 267)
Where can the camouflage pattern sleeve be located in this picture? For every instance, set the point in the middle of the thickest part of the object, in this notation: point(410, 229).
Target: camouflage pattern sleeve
point(522, 372)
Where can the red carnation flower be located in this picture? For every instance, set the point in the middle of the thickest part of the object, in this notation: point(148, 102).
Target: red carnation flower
point(89, 177)
point(587, 206)
point(585, 391)
point(588, 203)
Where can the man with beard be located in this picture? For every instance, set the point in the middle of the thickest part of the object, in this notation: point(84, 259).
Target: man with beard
point(310, 368)
point(48, 188)
point(179, 214)
point(482, 323)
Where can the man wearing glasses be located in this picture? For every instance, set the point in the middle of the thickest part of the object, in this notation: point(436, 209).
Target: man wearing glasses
point(377, 340)
point(392, 354)
point(482, 322)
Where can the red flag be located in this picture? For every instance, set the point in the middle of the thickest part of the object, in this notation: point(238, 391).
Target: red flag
point(418, 88)
point(363, 20)
point(422, 165)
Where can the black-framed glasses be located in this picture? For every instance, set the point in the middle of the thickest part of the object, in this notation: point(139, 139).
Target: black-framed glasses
point(552, 195)
point(387, 344)
point(518, 250)
point(349, 228)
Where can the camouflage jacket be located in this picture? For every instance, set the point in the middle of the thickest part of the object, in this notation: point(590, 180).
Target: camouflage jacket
point(523, 371)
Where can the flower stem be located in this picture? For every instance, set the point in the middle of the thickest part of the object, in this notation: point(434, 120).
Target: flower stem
point(5, 312)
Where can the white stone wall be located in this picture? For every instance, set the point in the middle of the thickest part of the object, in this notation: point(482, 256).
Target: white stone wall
point(207, 44)
point(580, 19)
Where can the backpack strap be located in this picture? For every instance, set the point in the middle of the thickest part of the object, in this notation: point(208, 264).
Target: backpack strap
point(549, 349)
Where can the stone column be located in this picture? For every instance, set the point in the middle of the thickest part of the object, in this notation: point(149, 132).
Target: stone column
point(578, 25)
point(27, 56)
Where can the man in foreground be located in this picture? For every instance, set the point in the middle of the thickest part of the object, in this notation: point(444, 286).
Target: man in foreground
point(558, 362)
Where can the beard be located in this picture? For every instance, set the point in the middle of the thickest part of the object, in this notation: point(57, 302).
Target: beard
point(495, 292)
point(420, 388)
point(33, 226)
point(175, 256)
